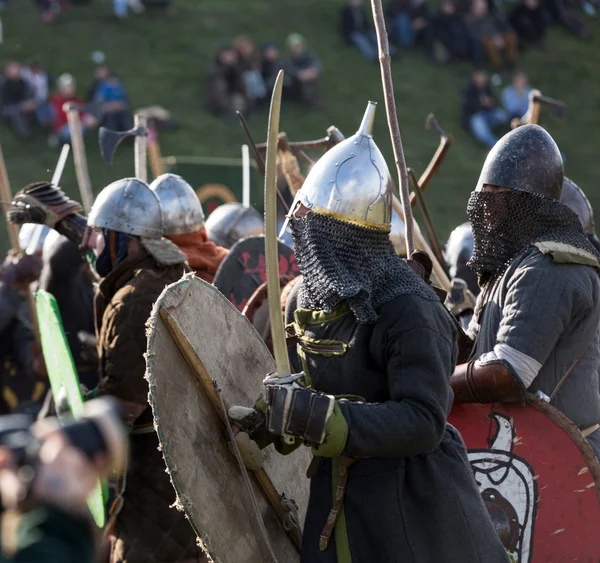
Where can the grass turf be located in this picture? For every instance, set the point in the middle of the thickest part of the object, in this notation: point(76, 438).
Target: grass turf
point(164, 61)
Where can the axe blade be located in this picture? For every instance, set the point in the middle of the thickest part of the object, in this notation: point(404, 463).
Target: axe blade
point(110, 140)
point(557, 108)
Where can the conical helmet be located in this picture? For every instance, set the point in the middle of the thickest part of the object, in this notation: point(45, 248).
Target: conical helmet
point(573, 197)
point(128, 206)
point(525, 159)
point(181, 209)
point(351, 181)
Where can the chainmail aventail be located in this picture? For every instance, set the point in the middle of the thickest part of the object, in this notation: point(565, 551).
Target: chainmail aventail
point(506, 223)
point(344, 262)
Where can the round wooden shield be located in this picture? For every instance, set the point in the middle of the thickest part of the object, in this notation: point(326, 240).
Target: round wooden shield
point(539, 479)
point(244, 269)
point(194, 442)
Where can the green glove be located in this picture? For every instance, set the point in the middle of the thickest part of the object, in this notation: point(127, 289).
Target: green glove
point(336, 435)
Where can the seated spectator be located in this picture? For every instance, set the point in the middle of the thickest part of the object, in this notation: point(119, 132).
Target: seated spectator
point(17, 100)
point(356, 29)
point(304, 69)
point(66, 93)
point(101, 73)
point(450, 30)
point(111, 96)
point(481, 113)
point(225, 91)
point(491, 36)
point(39, 80)
point(410, 21)
point(270, 65)
point(249, 65)
point(515, 97)
point(529, 21)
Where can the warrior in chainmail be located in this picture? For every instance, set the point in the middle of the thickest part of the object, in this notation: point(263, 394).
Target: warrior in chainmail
point(536, 325)
point(390, 480)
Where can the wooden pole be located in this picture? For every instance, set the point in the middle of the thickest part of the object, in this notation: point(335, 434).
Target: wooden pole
point(13, 232)
point(154, 154)
point(421, 244)
point(5, 195)
point(141, 148)
point(79, 157)
point(390, 106)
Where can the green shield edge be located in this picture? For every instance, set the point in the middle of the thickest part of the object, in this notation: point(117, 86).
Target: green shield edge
point(62, 373)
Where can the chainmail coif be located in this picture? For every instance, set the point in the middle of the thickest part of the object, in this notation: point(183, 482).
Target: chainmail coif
point(506, 223)
point(344, 262)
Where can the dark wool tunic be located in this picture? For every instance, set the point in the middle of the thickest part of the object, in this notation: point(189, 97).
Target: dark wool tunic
point(542, 316)
point(415, 499)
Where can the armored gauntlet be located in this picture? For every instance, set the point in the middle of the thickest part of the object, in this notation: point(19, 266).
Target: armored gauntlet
point(294, 410)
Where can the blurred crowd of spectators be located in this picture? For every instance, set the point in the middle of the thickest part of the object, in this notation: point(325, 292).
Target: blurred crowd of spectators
point(32, 101)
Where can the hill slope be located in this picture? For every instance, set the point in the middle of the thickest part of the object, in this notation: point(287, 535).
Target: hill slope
point(164, 61)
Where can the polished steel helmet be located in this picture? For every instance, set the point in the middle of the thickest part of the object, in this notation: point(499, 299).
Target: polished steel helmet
point(525, 159)
point(459, 247)
point(351, 181)
point(573, 197)
point(397, 234)
point(181, 208)
point(231, 222)
point(128, 206)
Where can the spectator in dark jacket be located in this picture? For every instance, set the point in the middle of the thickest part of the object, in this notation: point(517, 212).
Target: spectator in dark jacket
point(270, 65)
point(411, 23)
point(450, 30)
point(481, 113)
point(225, 91)
point(249, 65)
point(356, 29)
point(17, 100)
point(529, 21)
point(491, 36)
point(304, 69)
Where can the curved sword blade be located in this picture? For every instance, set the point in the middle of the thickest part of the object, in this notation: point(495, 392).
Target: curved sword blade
point(272, 254)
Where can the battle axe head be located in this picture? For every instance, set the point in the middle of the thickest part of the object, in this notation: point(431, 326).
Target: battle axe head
point(110, 140)
point(556, 107)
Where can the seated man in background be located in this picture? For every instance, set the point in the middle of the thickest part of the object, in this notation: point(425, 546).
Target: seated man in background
point(17, 100)
point(249, 66)
point(112, 97)
point(515, 97)
point(356, 29)
point(225, 92)
point(304, 69)
point(481, 112)
point(450, 30)
point(529, 21)
point(491, 36)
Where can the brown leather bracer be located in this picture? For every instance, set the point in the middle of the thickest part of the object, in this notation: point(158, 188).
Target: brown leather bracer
point(474, 382)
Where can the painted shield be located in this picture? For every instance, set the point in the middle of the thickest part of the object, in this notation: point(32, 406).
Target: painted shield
point(63, 375)
point(205, 475)
point(539, 479)
point(244, 269)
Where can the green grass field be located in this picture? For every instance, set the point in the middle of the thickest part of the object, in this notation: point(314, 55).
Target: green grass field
point(164, 61)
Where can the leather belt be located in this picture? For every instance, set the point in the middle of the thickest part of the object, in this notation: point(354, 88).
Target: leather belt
point(338, 500)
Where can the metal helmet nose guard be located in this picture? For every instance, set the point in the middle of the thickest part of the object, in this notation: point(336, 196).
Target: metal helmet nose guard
point(351, 182)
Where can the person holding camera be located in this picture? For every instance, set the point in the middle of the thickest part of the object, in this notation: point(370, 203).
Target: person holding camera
point(47, 473)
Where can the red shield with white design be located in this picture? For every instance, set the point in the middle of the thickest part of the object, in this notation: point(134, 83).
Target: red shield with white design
point(539, 479)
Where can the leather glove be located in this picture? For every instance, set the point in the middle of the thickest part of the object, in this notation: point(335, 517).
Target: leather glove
point(294, 410)
point(460, 299)
point(19, 270)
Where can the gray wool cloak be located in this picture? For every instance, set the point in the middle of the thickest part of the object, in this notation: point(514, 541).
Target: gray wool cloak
point(542, 316)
